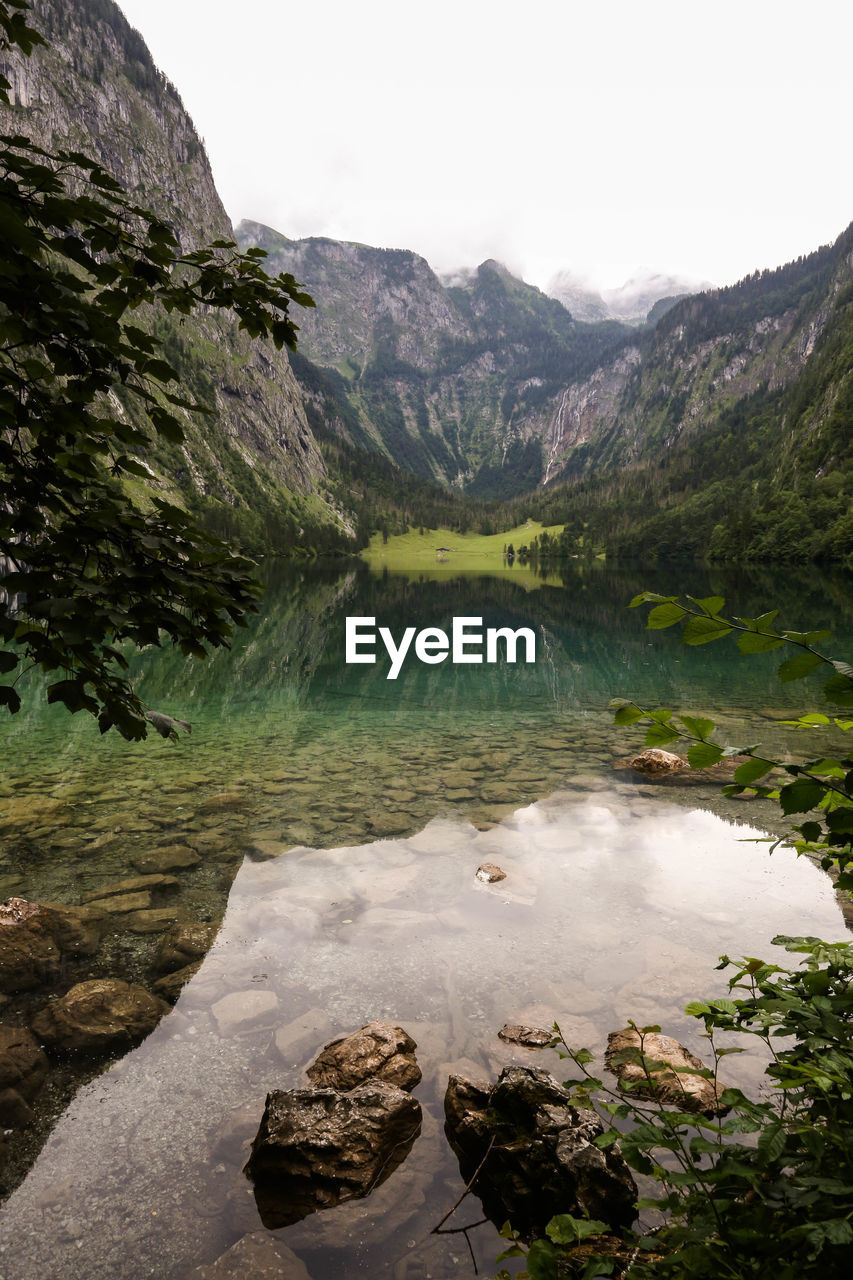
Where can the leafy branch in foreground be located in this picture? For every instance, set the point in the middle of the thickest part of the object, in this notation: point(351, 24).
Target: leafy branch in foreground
point(767, 1189)
point(84, 393)
point(823, 783)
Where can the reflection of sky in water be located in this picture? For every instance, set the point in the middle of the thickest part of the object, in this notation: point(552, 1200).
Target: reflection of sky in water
point(613, 907)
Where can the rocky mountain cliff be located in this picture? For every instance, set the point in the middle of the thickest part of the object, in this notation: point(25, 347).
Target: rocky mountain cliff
point(95, 88)
point(458, 382)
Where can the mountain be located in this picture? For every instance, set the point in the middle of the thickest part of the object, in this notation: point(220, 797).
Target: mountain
point(640, 300)
point(95, 88)
point(457, 382)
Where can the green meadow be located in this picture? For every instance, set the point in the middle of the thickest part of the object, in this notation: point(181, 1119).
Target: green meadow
point(442, 550)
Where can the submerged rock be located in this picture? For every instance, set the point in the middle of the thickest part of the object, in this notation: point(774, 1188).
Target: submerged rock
point(184, 943)
point(240, 1010)
point(170, 987)
point(98, 1015)
point(132, 884)
point(28, 954)
point(488, 873)
point(256, 1256)
point(379, 1051)
point(177, 857)
point(76, 930)
point(543, 1160)
point(317, 1147)
point(655, 763)
point(530, 1037)
point(675, 1082)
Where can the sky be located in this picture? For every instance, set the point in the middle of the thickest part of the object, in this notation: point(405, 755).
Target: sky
point(596, 136)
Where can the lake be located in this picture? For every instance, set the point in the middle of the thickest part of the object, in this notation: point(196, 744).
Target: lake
point(336, 820)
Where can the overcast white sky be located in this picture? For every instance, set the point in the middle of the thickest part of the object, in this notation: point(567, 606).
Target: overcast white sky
point(702, 138)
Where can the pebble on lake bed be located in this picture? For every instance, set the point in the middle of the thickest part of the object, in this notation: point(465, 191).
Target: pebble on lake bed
point(488, 873)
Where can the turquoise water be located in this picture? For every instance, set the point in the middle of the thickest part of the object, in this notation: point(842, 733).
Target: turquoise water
point(339, 818)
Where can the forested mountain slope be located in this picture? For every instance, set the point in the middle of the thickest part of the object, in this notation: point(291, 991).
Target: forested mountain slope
point(254, 465)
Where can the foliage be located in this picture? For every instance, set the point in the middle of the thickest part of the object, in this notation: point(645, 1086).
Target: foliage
point(766, 1189)
point(85, 567)
point(822, 786)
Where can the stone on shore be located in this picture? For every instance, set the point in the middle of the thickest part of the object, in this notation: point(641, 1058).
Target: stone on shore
point(378, 1051)
point(543, 1160)
point(656, 763)
point(317, 1147)
point(675, 1082)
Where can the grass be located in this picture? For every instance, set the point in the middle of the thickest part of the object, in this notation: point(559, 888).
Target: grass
point(466, 552)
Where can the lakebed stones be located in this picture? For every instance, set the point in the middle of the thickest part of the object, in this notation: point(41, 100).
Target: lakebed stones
point(378, 1051)
point(297, 1036)
point(317, 1147)
point(542, 1158)
point(170, 986)
point(98, 1015)
point(675, 1083)
point(655, 763)
point(133, 884)
point(77, 931)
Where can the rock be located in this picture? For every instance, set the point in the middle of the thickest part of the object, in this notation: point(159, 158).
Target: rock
point(241, 1010)
point(655, 763)
point(675, 1083)
point(28, 954)
point(98, 1015)
point(530, 1037)
point(170, 987)
point(266, 850)
point(317, 1147)
point(489, 873)
point(175, 858)
point(388, 824)
point(499, 793)
point(15, 1113)
point(224, 801)
point(23, 1066)
point(379, 1051)
point(122, 903)
point(544, 1159)
point(75, 930)
point(183, 943)
point(296, 1037)
point(151, 919)
point(132, 885)
point(257, 1256)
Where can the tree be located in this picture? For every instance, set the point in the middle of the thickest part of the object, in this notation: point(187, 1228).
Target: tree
point(84, 392)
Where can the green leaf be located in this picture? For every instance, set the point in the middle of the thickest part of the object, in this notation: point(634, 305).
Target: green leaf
point(771, 1143)
point(800, 796)
point(702, 755)
point(542, 1259)
point(658, 735)
point(700, 728)
point(754, 642)
point(839, 690)
point(665, 615)
point(627, 715)
point(702, 630)
point(799, 666)
point(752, 770)
point(710, 604)
point(564, 1229)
